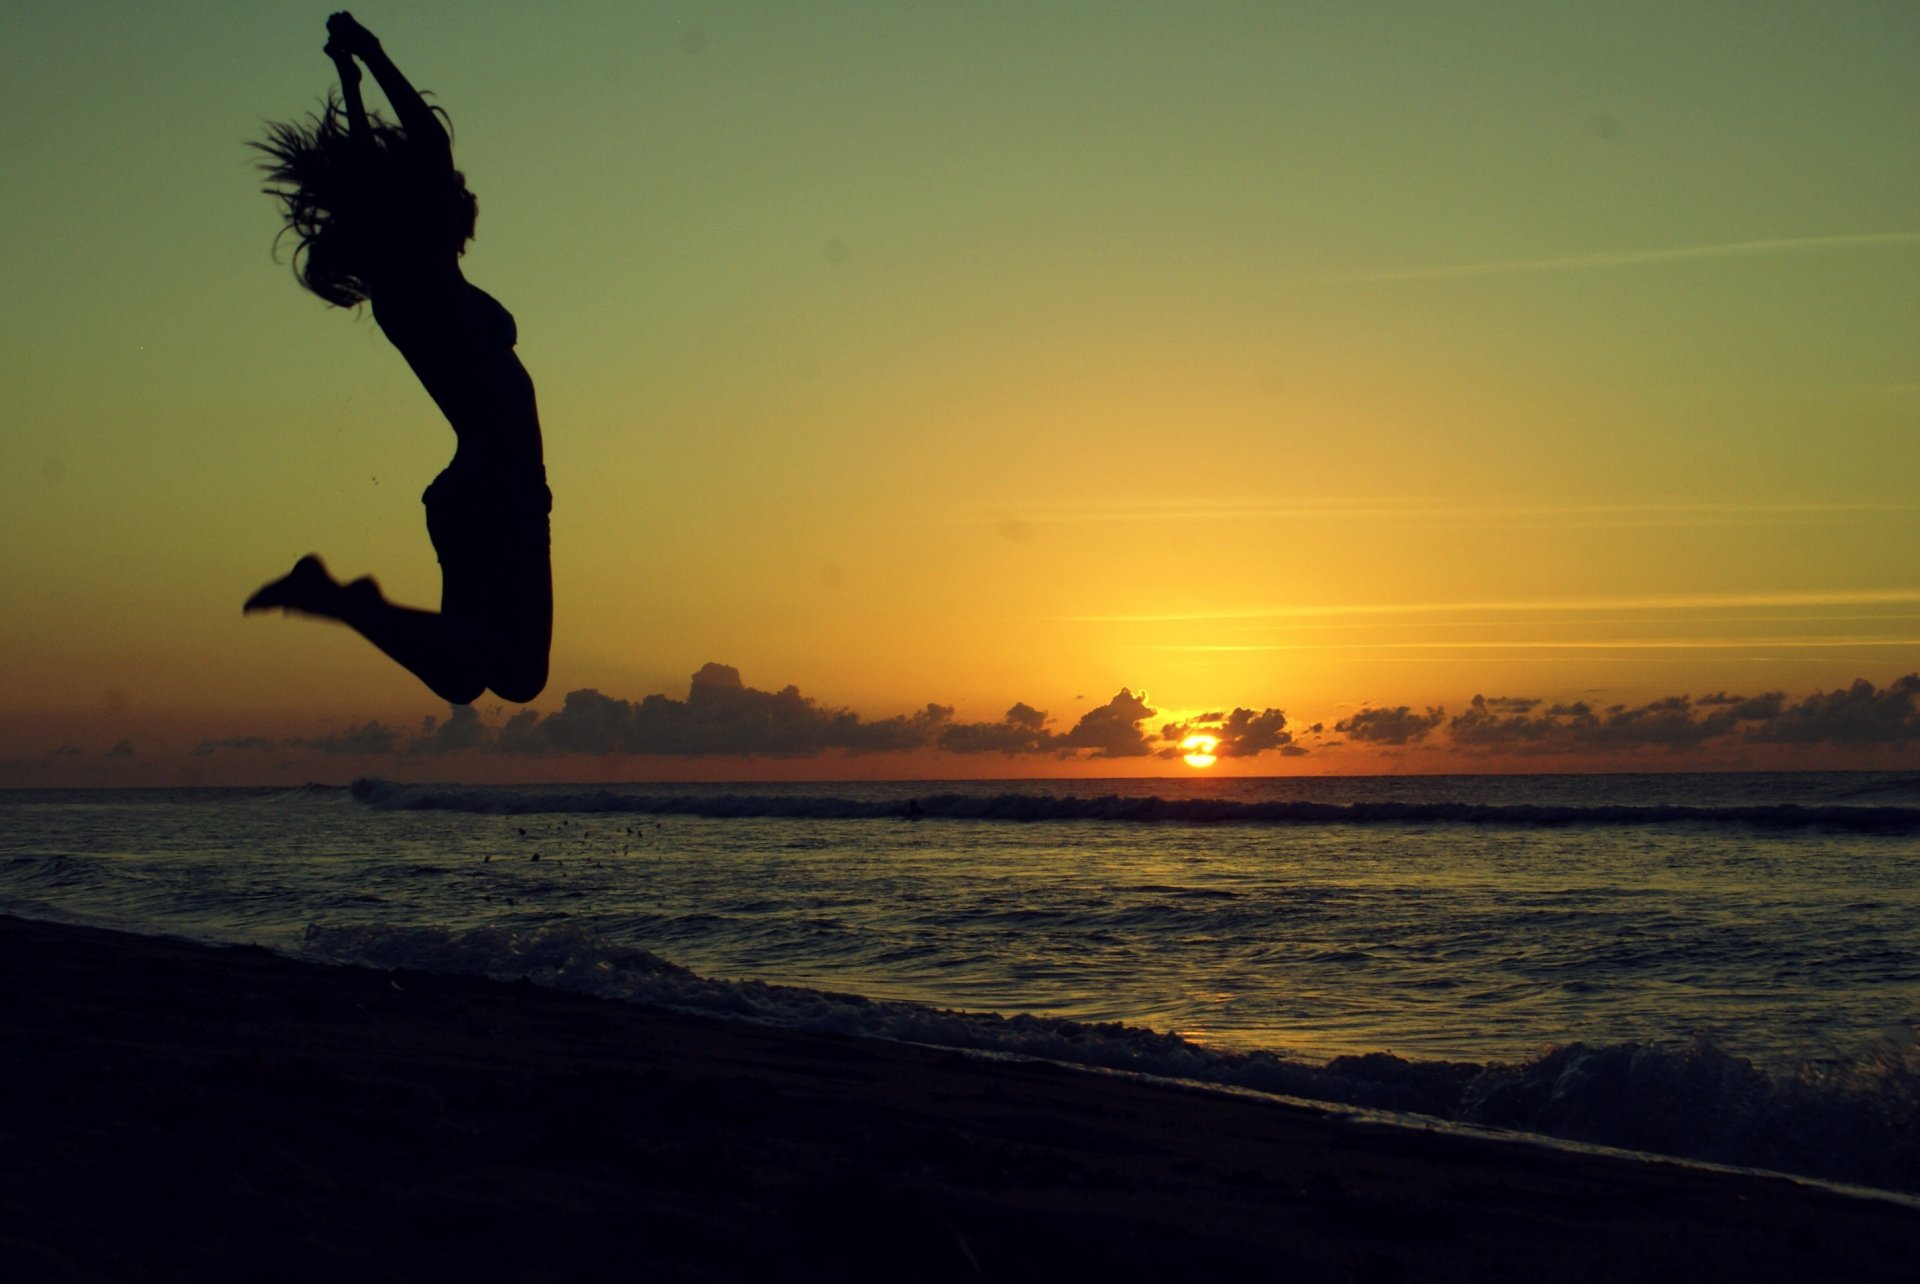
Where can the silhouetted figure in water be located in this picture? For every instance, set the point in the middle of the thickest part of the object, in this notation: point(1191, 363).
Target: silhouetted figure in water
point(382, 215)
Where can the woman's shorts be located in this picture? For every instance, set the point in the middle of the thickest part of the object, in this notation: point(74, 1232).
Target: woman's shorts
point(482, 516)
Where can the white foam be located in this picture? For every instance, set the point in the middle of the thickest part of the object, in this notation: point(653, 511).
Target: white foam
point(1848, 1120)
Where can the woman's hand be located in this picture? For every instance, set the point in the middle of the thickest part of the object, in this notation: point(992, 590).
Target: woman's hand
point(343, 62)
point(350, 37)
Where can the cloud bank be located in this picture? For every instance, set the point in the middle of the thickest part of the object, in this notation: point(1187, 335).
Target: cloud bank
point(722, 716)
point(1861, 716)
point(1390, 726)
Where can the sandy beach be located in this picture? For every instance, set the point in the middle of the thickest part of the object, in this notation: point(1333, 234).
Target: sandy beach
point(181, 1112)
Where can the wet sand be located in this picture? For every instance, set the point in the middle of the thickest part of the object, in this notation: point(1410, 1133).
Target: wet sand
point(172, 1111)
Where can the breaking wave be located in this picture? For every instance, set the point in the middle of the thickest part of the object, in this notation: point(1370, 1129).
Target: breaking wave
point(1852, 1119)
point(1041, 807)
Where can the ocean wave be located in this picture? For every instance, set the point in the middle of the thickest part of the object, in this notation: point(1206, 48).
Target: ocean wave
point(1151, 809)
point(1851, 1119)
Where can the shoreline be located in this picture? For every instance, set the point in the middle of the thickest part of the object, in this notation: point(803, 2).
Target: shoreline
point(184, 1111)
point(1379, 1117)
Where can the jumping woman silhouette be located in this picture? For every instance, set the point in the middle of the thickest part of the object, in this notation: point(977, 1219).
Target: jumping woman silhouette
point(381, 215)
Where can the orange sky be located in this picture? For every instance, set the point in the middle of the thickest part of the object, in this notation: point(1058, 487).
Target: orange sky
point(1325, 358)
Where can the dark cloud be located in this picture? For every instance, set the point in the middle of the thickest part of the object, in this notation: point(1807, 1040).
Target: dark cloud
point(1857, 716)
point(1025, 715)
point(1511, 704)
point(1673, 722)
point(587, 722)
point(1239, 734)
point(721, 715)
point(1113, 730)
point(1022, 731)
point(361, 739)
point(520, 734)
point(1397, 726)
point(1669, 722)
point(461, 730)
point(245, 744)
point(124, 749)
point(1246, 734)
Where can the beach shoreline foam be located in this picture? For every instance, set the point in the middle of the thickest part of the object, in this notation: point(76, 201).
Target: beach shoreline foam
point(185, 1111)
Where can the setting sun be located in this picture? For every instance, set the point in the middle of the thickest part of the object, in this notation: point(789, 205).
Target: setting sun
point(1200, 750)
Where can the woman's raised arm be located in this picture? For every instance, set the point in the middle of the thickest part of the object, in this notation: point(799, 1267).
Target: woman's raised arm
point(357, 126)
point(422, 125)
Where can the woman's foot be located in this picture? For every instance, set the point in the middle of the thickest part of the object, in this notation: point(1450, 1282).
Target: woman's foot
point(307, 589)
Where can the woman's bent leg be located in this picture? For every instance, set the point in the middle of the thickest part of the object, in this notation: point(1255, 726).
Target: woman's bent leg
point(506, 603)
point(447, 655)
point(438, 651)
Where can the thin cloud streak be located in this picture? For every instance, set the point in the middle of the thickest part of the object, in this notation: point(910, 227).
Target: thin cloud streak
point(1618, 657)
point(1826, 617)
point(1698, 602)
point(1617, 644)
point(1572, 516)
point(1632, 258)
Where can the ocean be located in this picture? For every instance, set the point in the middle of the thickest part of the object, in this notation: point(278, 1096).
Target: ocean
point(1721, 967)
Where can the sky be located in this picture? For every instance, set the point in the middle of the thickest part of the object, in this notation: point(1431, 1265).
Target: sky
point(928, 391)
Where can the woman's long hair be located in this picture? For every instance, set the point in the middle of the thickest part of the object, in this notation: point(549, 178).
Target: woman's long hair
point(357, 204)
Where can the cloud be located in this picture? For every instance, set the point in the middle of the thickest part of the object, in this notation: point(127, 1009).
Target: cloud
point(461, 730)
point(1857, 716)
point(1673, 722)
point(520, 734)
point(123, 749)
point(1397, 726)
point(366, 738)
point(1511, 704)
point(361, 738)
point(1025, 715)
point(1240, 734)
point(1246, 734)
point(1668, 723)
point(722, 716)
point(1113, 730)
point(1633, 258)
point(1022, 731)
point(1587, 605)
point(245, 744)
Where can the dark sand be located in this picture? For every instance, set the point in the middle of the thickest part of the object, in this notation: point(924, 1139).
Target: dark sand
point(174, 1111)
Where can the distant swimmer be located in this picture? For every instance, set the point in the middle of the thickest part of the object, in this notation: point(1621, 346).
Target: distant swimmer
point(381, 215)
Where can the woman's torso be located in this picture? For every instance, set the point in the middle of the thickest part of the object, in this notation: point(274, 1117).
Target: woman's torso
point(460, 341)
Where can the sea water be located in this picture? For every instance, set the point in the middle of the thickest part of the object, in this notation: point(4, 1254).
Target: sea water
point(1722, 966)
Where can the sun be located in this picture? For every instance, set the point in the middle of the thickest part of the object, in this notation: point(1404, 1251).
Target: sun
point(1200, 750)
